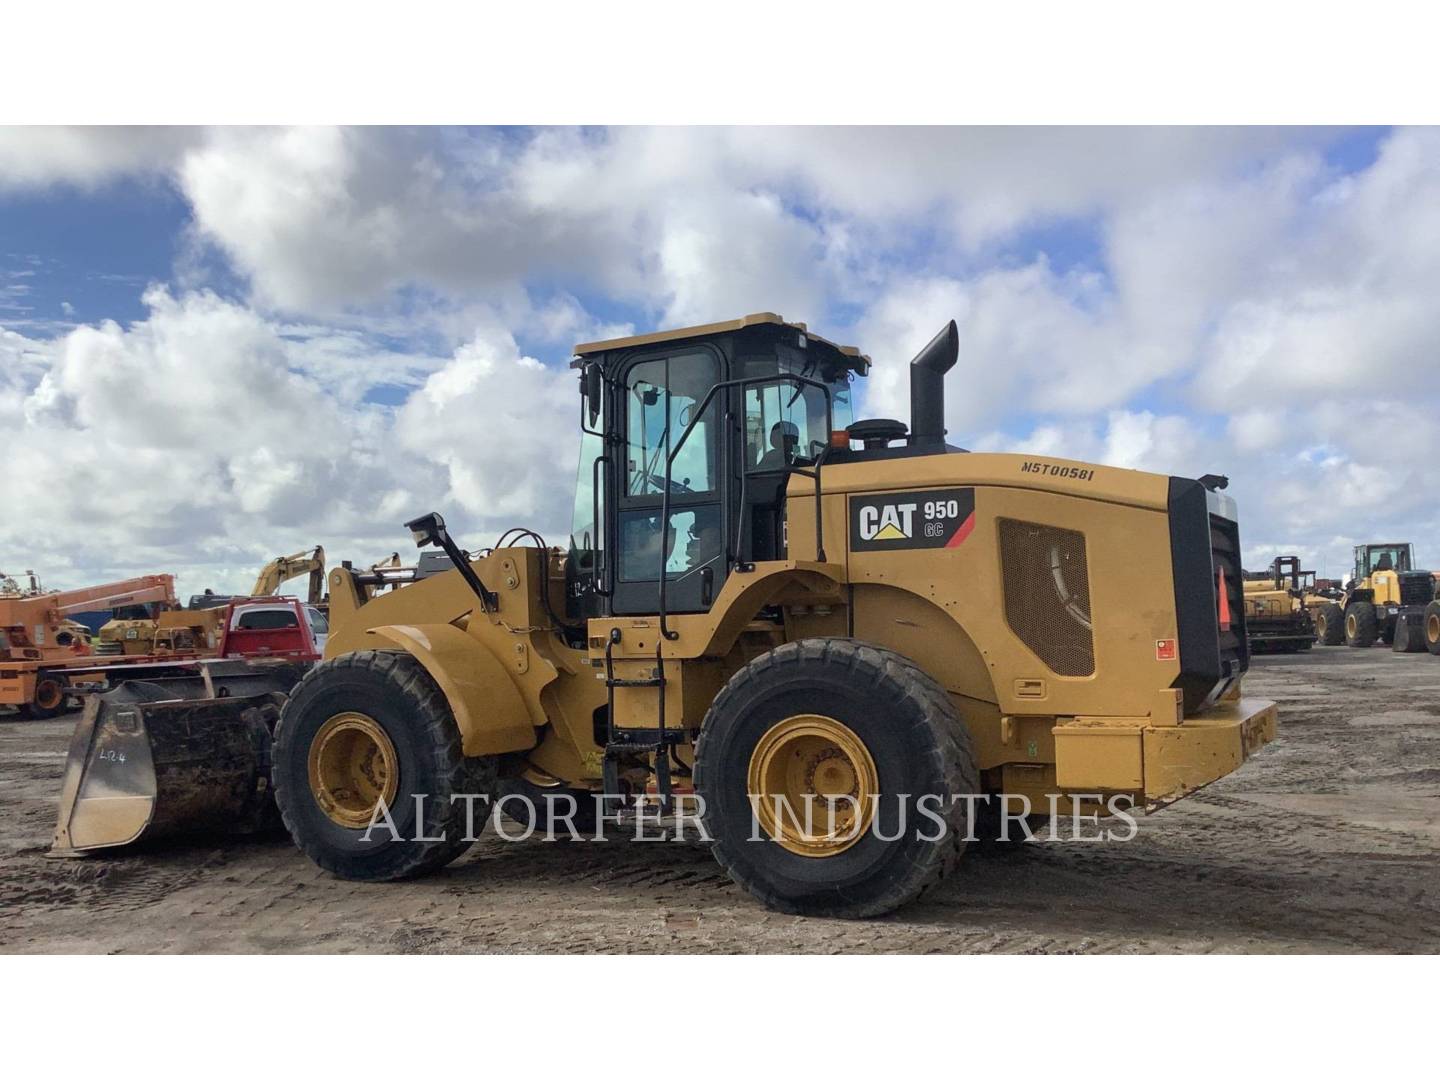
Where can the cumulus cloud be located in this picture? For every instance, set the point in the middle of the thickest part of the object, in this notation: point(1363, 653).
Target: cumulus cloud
point(690, 224)
point(1276, 326)
point(1237, 303)
point(505, 428)
point(31, 157)
point(329, 219)
point(204, 439)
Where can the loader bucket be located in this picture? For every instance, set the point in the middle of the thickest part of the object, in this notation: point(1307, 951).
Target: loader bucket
point(171, 756)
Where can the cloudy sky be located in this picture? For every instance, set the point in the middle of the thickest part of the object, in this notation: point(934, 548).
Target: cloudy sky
point(220, 345)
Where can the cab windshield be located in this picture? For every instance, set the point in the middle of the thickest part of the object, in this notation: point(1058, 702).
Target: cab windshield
point(785, 423)
point(1386, 557)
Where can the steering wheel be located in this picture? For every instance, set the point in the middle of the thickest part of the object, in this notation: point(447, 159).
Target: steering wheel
point(676, 486)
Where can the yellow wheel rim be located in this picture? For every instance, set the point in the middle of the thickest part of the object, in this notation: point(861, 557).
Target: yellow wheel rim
point(1432, 629)
point(815, 756)
point(1350, 625)
point(353, 767)
point(48, 694)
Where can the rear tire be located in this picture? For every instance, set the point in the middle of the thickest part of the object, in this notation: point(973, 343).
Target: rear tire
point(1409, 635)
point(876, 708)
point(1330, 625)
point(413, 748)
point(1432, 627)
point(1361, 627)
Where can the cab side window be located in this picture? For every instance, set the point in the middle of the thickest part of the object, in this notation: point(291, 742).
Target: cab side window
point(661, 397)
point(662, 400)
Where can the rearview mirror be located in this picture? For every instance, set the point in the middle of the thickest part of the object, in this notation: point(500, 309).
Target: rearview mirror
point(591, 388)
point(426, 530)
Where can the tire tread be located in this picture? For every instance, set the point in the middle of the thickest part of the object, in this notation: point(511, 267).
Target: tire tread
point(953, 758)
point(454, 772)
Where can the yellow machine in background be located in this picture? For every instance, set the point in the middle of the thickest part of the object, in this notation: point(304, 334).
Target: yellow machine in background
point(1385, 600)
point(287, 567)
point(196, 627)
point(177, 630)
point(1277, 615)
point(815, 628)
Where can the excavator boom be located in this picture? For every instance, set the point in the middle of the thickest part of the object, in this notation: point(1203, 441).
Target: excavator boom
point(285, 567)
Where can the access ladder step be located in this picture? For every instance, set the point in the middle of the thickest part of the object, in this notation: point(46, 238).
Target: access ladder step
point(643, 740)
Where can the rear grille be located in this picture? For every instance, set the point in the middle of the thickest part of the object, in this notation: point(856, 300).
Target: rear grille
point(1416, 589)
point(1204, 547)
point(1225, 556)
point(1047, 594)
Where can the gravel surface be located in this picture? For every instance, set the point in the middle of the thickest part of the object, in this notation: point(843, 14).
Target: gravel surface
point(1327, 841)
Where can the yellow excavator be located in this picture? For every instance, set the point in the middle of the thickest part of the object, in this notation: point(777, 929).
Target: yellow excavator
point(829, 639)
point(288, 567)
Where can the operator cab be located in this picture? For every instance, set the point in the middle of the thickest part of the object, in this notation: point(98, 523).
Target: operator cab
point(1371, 558)
point(690, 438)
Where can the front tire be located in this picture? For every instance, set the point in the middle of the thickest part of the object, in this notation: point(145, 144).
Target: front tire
point(835, 717)
point(49, 699)
point(366, 728)
point(1330, 625)
point(1432, 627)
point(1361, 625)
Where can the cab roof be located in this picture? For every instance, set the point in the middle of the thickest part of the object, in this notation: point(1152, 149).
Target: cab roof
point(760, 318)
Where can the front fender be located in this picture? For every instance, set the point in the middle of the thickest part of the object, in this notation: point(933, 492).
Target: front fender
point(489, 709)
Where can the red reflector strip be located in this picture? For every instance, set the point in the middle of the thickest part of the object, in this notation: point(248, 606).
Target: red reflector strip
point(1224, 602)
point(962, 533)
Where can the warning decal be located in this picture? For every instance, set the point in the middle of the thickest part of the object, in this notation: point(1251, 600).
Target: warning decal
point(912, 519)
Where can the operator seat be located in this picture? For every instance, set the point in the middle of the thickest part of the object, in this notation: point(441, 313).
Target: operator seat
point(1384, 562)
point(784, 438)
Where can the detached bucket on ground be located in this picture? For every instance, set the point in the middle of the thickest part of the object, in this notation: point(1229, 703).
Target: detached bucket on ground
point(170, 757)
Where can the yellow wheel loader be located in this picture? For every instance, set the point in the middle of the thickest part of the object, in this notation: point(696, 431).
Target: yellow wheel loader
point(829, 640)
point(1385, 601)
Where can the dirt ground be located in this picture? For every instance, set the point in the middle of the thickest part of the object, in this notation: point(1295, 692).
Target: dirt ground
point(1327, 841)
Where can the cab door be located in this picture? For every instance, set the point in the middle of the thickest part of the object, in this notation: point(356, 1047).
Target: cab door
point(658, 396)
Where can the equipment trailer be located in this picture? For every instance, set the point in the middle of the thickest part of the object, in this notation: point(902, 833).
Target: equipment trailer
point(37, 646)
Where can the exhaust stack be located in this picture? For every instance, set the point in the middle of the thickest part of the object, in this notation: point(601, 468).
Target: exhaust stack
point(927, 388)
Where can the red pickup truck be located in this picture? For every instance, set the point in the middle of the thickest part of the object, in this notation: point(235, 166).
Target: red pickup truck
point(267, 632)
point(272, 628)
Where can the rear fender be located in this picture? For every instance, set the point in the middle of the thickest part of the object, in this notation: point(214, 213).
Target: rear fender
point(489, 708)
